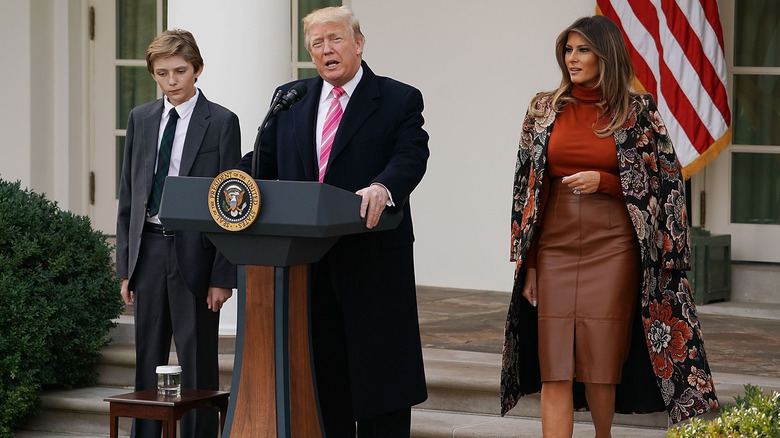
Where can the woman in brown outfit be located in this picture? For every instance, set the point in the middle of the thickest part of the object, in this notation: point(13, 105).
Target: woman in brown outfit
point(577, 216)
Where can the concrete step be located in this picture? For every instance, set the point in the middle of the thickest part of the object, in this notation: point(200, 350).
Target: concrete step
point(463, 402)
point(124, 331)
point(468, 383)
point(80, 412)
point(85, 416)
point(116, 367)
point(463, 392)
point(438, 424)
point(43, 434)
point(117, 364)
point(741, 309)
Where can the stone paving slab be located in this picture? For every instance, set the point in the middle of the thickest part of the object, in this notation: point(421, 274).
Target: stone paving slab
point(469, 320)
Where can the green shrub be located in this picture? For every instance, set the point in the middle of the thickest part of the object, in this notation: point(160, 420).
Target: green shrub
point(754, 415)
point(58, 297)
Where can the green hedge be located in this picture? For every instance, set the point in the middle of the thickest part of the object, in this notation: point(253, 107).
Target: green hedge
point(754, 415)
point(58, 297)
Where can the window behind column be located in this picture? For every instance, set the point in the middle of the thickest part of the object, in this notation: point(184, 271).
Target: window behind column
point(301, 62)
point(755, 164)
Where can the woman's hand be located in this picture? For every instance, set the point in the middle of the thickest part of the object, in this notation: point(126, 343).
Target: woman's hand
point(529, 288)
point(585, 183)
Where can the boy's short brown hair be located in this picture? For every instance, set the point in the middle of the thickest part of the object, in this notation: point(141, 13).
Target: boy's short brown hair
point(174, 42)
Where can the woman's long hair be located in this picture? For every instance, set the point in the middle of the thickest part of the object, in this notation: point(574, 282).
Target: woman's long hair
point(615, 73)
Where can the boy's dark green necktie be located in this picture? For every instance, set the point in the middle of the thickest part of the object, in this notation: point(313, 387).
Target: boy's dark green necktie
point(163, 161)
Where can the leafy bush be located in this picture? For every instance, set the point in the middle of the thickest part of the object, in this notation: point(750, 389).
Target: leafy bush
point(58, 297)
point(754, 415)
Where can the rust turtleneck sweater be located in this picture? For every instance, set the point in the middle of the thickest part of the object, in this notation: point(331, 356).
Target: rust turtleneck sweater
point(574, 147)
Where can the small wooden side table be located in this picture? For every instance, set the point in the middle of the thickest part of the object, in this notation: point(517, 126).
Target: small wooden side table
point(150, 406)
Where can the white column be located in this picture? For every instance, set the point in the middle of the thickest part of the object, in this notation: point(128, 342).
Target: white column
point(246, 52)
point(245, 46)
point(15, 85)
point(61, 148)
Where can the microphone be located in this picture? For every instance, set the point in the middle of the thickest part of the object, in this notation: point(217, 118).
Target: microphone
point(293, 95)
point(278, 104)
point(275, 100)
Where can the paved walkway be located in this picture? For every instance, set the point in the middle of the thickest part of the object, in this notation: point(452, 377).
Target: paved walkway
point(470, 320)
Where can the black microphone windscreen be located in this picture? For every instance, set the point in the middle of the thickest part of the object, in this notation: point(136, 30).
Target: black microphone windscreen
point(294, 94)
point(300, 90)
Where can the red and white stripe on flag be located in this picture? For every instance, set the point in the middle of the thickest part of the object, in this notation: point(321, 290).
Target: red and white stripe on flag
point(676, 47)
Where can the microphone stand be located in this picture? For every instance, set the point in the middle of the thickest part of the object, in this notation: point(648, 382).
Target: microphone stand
point(260, 130)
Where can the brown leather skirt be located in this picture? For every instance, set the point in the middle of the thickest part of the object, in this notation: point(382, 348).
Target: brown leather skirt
point(588, 280)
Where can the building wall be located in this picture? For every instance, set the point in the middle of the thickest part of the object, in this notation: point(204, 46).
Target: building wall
point(244, 63)
point(43, 142)
point(477, 65)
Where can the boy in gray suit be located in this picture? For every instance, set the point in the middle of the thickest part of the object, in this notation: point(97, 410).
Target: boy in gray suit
point(176, 280)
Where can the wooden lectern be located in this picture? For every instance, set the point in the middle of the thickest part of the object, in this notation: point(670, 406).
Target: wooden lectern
point(273, 393)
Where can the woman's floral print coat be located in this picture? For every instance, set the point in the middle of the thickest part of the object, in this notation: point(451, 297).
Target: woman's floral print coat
point(667, 367)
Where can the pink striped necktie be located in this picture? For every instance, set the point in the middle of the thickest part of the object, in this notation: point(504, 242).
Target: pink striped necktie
point(329, 129)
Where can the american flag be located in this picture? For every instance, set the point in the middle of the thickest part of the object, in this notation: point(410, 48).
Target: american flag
point(676, 47)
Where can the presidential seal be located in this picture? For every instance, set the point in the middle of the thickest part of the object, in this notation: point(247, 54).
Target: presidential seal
point(234, 200)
